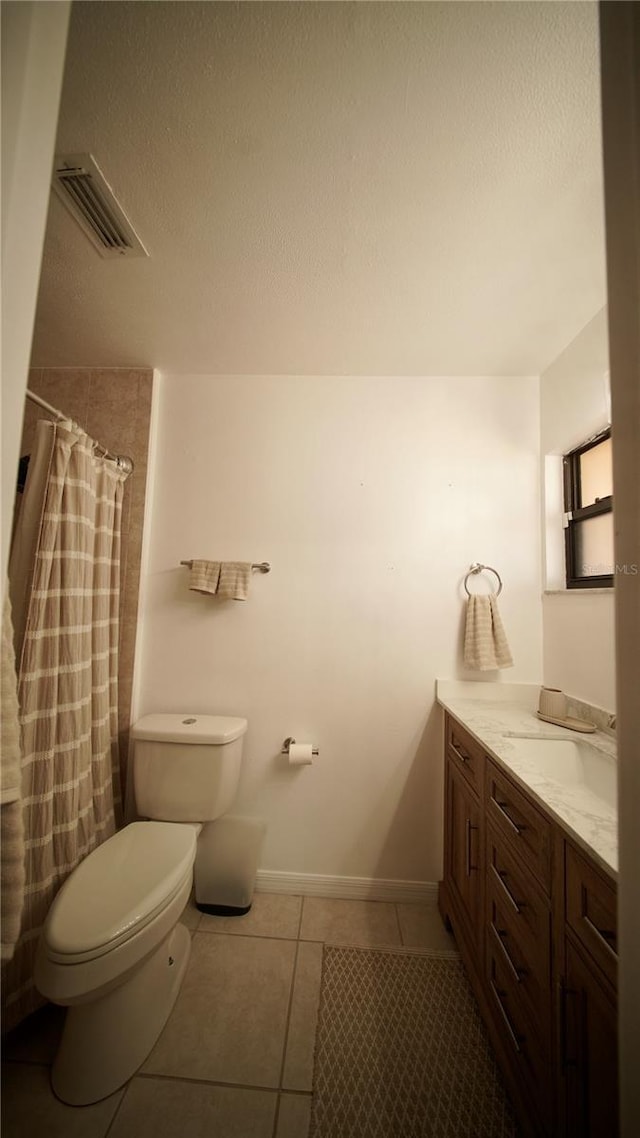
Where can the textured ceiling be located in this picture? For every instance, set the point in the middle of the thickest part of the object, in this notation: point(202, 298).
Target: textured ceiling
point(332, 188)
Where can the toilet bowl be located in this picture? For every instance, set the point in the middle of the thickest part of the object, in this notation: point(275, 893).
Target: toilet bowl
point(111, 949)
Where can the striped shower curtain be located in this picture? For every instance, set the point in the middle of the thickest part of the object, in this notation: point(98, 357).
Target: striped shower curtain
point(67, 677)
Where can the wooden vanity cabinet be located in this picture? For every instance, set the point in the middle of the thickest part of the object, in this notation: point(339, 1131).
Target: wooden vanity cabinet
point(535, 922)
point(587, 1012)
point(464, 869)
point(462, 891)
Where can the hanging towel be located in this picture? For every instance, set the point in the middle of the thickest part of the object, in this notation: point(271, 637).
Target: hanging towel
point(204, 576)
point(12, 873)
point(234, 580)
point(485, 642)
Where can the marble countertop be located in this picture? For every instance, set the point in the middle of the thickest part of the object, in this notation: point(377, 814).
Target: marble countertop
point(490, 716)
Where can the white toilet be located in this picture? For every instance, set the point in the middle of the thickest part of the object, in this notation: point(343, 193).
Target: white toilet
point(111, 948)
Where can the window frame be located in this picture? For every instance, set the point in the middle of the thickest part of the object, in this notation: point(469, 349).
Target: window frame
point(575, 512)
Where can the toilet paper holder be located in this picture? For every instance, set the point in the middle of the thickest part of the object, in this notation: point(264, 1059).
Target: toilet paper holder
point(287, 743)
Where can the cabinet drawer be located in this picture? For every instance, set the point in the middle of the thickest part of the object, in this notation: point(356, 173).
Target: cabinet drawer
point(519, 930)
point(591, 910)
point(514, 894)
point(466, 755)
point(527, 831)
point(529, 1053)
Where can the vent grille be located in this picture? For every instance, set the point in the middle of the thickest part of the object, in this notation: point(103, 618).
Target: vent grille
point(81, 186)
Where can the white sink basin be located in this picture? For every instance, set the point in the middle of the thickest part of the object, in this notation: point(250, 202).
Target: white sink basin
point(572, 762)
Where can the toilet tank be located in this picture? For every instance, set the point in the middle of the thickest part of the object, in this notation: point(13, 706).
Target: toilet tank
point(186, 768)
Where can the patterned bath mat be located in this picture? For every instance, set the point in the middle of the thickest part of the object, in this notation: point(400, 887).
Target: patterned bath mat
point(401, 1051)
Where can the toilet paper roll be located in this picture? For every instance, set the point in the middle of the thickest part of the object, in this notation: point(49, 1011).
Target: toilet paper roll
point(300, 754)
point(553, 703)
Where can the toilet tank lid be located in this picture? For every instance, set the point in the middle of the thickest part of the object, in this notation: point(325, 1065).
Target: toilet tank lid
point(186, 728)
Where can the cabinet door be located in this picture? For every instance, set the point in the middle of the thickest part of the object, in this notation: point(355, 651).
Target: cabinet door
point(464, 855)
point(591, 911)
point(589, 1046)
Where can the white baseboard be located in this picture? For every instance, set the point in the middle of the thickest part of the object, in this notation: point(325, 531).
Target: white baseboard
point(347, 888)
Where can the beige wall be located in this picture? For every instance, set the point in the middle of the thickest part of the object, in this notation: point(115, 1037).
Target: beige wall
point(573, 391)
point(114, 406)
point(579, 646)
point(370, 497)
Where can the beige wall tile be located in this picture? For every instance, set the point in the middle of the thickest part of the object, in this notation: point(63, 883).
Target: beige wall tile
point(303, 1018)
point(163, 1108)
point(126, 522)
point(137, 483)
point(113, 405)
point(130, 566)
point(31, 412)
point(349, 922)
point(67, 389)
point(127, 641)
point(143, 407)
point(229, 1021)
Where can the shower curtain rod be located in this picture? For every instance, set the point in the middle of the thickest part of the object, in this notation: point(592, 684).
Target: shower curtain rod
point(121, 460)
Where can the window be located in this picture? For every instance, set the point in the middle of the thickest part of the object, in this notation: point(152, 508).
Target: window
point(588, 490)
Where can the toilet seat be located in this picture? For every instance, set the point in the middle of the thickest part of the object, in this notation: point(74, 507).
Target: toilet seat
point(118, 889)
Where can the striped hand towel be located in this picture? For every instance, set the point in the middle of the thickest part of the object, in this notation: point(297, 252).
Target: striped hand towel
point(234, 580)
point(204, 576)
point(485, 642)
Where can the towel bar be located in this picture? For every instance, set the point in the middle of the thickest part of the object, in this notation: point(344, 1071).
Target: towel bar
point(476, 567)
point(262, 566)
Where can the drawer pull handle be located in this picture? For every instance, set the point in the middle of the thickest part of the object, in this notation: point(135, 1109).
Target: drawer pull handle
point(517, 973)
point(605, 935)
point(462, 755)
point(469, 827)
point(518, 827)
point(500, 875)
point(507, 1022)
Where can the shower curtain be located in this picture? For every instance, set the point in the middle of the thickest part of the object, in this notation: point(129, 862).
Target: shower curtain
point(65, 574)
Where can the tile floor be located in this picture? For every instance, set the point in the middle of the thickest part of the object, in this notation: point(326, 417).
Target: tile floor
point(235, 1059)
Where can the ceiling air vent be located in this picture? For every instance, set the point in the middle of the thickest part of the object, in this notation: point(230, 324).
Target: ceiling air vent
point(80, 184)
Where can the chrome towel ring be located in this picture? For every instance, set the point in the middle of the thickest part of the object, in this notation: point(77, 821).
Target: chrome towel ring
point(478, 568)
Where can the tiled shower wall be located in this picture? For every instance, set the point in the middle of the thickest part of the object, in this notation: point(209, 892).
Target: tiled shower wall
point(113, 405)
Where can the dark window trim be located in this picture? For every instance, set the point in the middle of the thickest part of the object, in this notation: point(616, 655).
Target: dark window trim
point(578, 513)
